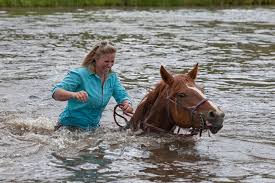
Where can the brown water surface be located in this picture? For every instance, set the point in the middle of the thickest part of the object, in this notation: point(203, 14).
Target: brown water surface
point(236, 52)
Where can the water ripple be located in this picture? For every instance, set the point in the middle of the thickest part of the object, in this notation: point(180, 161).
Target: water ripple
point(235, 51)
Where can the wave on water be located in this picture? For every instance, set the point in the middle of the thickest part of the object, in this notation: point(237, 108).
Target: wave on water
point(41, 131)
point(19, 126)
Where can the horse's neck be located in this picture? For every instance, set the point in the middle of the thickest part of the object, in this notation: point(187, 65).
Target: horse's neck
point(159, 116)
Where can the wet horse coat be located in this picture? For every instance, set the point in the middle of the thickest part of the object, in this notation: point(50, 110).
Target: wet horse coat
point(177, 101)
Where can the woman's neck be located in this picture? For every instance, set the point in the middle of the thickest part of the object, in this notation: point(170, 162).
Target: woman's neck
point(101, 75)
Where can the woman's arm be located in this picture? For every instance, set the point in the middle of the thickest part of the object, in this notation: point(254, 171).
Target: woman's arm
point(67, 88)
point(63, 95)
point(122, 97)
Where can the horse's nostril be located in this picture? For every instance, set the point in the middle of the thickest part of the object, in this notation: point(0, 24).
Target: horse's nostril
point(211, 114)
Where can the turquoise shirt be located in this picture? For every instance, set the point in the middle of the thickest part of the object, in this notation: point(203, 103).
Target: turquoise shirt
point(86, 115)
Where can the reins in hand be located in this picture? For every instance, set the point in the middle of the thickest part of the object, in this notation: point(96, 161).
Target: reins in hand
point(116, 114)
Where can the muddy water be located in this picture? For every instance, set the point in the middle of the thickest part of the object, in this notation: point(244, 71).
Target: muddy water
point(234, 47)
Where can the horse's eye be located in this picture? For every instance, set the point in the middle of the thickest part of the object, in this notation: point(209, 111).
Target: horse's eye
point(181, 94)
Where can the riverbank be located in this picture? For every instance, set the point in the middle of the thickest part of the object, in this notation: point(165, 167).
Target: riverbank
point(133, 3)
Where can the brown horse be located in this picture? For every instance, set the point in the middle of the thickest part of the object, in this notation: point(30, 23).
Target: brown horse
point(177, 102)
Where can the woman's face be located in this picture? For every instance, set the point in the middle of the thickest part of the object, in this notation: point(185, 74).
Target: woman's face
point(105, 62)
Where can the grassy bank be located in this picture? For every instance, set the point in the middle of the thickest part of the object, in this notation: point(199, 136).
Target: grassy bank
point(133, 3)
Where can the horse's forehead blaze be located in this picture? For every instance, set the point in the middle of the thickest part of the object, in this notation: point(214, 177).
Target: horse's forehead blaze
point(203, 96)
point(197, 91)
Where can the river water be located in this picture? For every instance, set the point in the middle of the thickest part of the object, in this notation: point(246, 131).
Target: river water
point(236, 52)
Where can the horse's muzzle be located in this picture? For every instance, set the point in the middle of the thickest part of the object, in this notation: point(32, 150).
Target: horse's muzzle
point(214, 120)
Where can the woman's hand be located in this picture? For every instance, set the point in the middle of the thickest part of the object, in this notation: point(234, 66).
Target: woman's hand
point(81, 96)
point(127, 107)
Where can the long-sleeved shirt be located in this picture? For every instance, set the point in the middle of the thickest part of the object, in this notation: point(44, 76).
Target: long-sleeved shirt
point(86, 115)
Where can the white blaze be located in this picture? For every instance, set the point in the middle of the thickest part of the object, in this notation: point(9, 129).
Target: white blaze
point(204, 97)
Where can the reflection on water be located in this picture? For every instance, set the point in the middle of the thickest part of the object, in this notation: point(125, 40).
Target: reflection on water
point(235, 50)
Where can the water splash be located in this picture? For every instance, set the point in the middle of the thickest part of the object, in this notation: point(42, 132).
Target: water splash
point(40, 125)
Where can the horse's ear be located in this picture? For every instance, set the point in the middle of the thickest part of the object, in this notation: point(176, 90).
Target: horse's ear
point(194, 72)
point(166, 76)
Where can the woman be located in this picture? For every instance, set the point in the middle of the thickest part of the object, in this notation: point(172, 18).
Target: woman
point(89, 88)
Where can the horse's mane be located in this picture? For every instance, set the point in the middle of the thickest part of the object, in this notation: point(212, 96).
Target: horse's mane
point(149, 100)
point(153, 100)
point(159, 90)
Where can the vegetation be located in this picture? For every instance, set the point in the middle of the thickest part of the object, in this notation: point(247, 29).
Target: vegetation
point(133, 3)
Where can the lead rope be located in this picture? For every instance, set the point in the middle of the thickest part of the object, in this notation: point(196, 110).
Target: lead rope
point(127, 126)
point(115, 114)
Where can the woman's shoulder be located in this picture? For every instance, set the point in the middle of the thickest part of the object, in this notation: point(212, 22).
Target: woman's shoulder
point(113, 74)
point(80, 71)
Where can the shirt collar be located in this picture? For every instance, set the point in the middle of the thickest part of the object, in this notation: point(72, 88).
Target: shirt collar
point(91, 71)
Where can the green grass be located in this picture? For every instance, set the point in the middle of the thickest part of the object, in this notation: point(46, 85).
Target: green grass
point(132, 3)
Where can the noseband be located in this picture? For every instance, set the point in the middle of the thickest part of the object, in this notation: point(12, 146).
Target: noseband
point(192, 110)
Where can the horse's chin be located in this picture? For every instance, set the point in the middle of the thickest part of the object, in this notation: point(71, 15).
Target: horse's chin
point(213, 128)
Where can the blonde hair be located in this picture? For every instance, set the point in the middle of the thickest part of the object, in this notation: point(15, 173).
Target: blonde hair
point(101, 48)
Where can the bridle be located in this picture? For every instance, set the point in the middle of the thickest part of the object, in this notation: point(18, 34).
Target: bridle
point(192, 110)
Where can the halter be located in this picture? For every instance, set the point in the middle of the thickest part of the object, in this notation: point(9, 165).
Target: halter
point(192, 110)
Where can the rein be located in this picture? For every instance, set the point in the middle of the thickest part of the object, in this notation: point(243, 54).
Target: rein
point(127, 126)
point(115, 114)
point(192, 110)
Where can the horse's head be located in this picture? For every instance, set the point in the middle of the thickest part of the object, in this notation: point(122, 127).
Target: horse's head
point(187, 104)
